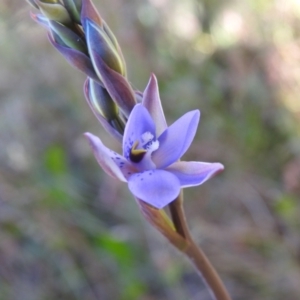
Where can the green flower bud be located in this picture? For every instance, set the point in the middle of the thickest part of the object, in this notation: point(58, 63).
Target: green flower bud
point(66, 37)
point(74, 9)
point(99, 42)
point(114, 41)
point(101, 101)
point(54, 11)
point(103, 106)
point(32, 3)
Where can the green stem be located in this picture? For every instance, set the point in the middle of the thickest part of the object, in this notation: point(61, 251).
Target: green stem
point(195, 254)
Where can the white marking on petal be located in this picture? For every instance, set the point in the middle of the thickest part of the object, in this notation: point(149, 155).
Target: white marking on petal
point(147, 137)
point(148, 142)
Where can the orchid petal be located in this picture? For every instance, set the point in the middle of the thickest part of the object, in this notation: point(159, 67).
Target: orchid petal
point(155, 187)
point(111, 162)
point(194, 173)
point(151, 101)
point(175, 140)
point(138, 123)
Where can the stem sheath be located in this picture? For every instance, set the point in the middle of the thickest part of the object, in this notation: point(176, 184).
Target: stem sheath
point(195, 254)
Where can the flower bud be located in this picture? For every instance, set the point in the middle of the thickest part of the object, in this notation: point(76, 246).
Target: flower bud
point(101, 101)
point(33, 4)
point(116, 85)
point(76, 58)
point(74, 8)
point(98, 42)
point(40, 19)
point(66, 37)
point(54, 11)
point(104, 108)
point(50, 1)
point(88, 11)
point(114, 41)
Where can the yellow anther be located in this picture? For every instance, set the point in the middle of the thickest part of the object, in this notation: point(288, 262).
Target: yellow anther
point(136, 155)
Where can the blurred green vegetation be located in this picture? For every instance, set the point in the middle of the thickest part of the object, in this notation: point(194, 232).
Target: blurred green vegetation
point(67, 231)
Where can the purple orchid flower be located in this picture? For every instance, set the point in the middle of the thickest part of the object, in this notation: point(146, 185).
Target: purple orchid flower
point(151, 152)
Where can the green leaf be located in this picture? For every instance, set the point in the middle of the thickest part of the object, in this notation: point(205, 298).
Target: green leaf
point(55, 160)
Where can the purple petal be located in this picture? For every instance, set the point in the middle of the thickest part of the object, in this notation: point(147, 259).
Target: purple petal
point(112, 131)
point(155, 187)
point(116, 85)
point(194, 173)
point(174, 141)
point(151, 101)
point(76, 59)
point(138, 123)
point(111, 162)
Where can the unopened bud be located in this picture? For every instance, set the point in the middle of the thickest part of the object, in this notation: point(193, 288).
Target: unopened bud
point(63, 35)
point(98, 42)
point(41, 19)
point(54, 11)
point(74, 8)
point(76, 58)
point(89, 12)
point(104, 108)
point(50, 1)
point(101, 101)
point(114, 41)
point(117, 86)
point(33, 4)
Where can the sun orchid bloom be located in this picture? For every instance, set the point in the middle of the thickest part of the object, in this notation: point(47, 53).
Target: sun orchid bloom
point(151, 152)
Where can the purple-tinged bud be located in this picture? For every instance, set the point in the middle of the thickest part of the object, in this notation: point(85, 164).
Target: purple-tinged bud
point(74, 8)
point(66, 37)
point(114, 41)
point(76, 58)
point(98, 42)
point(54, 11)
point(40, 19)
point(117, 86)
point(33, 4)
point(138, 96)
point(88, 11)
point(102, 106)
point(101, 101)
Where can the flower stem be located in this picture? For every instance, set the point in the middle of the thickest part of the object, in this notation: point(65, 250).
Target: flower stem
point(195, 254)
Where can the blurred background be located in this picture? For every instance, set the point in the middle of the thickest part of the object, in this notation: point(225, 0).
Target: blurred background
point(68, 231)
